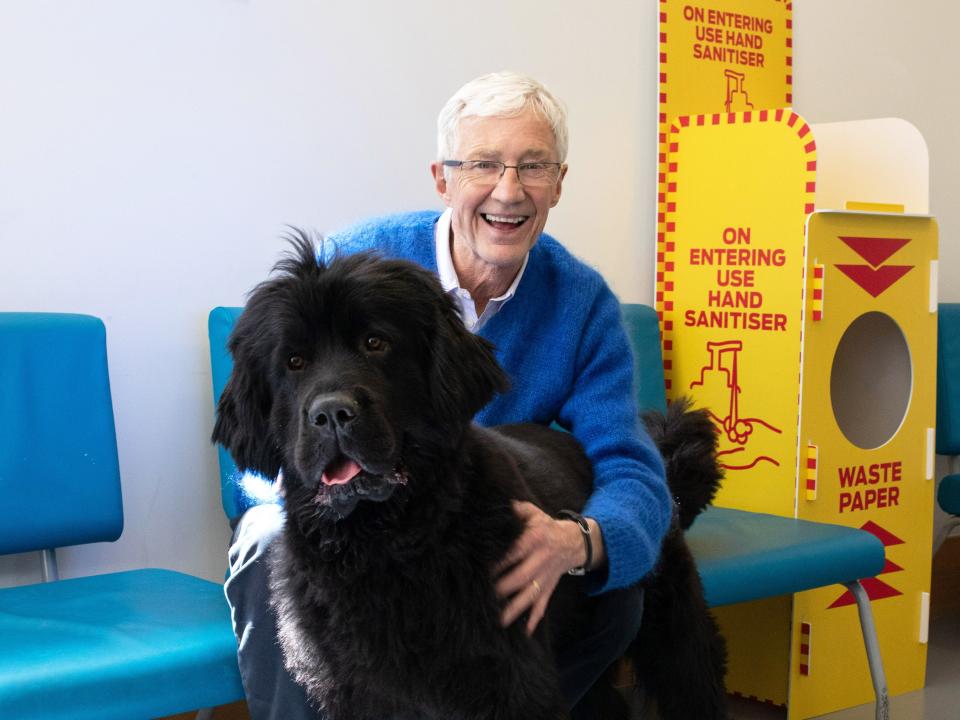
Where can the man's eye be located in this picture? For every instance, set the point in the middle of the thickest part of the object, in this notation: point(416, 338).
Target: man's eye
point(533, 167)
point(375, 344)
point(484, 165)
point(296, 362)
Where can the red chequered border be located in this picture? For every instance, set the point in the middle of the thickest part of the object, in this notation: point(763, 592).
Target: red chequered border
point(667, 215)
point(817, 304)
point(805, 649)
point(813, 456)
point(789, 21)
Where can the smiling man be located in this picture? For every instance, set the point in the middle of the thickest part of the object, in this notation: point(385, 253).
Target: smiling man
point(502, 147)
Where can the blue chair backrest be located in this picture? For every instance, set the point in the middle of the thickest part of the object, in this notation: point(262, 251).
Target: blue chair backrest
point(948, 379)
point(643, 330)
point(59, 472)
point(640, 322)
point(219, 325)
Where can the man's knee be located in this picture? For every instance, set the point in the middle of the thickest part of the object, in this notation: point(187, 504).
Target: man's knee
point(256, 531)
point(622, 613)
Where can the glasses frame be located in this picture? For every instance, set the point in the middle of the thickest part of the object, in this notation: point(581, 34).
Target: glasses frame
point(503, 168)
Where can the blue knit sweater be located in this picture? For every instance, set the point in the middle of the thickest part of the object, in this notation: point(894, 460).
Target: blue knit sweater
point(561, 341)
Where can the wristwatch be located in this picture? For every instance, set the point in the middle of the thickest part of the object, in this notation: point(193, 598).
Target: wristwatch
point(587, 542)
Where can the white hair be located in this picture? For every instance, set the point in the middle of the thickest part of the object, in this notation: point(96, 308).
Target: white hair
point(501, 94)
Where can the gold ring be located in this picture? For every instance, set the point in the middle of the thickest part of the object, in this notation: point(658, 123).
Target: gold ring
point(536, 586)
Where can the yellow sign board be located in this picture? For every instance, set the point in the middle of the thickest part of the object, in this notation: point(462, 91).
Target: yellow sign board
point(719, 56)
point(811, 339)
point(739, 190)
point(868, 412)
point(724, 56)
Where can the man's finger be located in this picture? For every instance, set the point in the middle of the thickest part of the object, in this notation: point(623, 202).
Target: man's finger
point(537, 612)
point(517, 579)
point(522, 601)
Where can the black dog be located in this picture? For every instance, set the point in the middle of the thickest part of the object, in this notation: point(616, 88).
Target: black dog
point(358, 380)
point(679, 654)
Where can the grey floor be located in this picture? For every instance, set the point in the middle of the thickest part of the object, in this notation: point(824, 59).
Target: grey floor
point(939, 700)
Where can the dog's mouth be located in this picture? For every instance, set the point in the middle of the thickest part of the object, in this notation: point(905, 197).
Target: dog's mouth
point(340, 470)
point(344, 483)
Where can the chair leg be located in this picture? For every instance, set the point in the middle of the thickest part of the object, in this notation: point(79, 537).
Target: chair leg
point(205, 714)
point(51, 571)
point(873, 650)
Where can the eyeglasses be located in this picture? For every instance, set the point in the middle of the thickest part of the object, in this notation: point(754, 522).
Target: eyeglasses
point(489, 172)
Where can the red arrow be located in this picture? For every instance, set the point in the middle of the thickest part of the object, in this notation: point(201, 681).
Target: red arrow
point(875, 280)
point(875, 250)
point(885, 536)
point(876, 590)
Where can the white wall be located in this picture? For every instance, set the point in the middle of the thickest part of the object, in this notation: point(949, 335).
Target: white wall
point(151, 153)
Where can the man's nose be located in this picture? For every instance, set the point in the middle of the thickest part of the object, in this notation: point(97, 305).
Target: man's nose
point(508, 187)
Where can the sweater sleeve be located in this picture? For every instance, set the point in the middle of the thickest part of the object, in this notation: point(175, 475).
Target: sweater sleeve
point(630, 500)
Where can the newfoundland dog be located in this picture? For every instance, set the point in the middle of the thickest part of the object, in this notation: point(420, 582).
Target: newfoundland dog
point(356, 381)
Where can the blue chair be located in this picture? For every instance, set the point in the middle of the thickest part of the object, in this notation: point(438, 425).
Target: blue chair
point(135, 644)
point(948, 413)
point(741, 555)
point(219, 324)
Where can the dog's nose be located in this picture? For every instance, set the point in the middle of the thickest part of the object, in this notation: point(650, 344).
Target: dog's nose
point(336, 410)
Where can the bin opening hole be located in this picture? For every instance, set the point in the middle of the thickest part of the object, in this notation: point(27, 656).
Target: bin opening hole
point(871, 380)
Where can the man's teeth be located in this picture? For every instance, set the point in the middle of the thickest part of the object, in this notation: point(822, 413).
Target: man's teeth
point(504, 219)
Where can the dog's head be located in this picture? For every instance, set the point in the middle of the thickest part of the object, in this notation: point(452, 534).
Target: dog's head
point(340, 368)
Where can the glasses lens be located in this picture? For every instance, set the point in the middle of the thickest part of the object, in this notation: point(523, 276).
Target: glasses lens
point(483, 170)
point(538, 173)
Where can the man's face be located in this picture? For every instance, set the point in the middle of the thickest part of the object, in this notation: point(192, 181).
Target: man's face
point(494, 226)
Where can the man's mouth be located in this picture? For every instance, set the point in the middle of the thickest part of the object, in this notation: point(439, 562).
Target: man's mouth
point(504, 222)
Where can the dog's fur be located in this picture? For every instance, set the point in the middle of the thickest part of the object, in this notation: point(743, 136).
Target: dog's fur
point(382, 584)
point(679, 653)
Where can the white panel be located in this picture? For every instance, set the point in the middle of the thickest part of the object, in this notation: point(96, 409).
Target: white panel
point(924, 618)
point(876, 161)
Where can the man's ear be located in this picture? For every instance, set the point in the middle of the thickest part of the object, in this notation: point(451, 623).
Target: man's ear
point(559, 186)
point(440, 180)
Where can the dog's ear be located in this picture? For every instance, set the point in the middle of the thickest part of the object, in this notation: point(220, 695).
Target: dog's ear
point(465, 374)
point(243, 411)
point(245, 406)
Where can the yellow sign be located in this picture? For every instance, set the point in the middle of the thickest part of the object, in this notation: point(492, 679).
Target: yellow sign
point(810, 338)
point(724, 56)
point(719, 56)
point(869, 410)
point(739, 190)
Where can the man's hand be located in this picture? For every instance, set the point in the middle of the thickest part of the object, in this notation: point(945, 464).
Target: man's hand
point(529, 573)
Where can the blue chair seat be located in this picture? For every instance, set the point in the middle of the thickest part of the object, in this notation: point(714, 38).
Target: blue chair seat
point(746, 556)
point(948, 494)
point(135, 644)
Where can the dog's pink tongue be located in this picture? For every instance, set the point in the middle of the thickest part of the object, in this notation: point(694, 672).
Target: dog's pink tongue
point(341, 470)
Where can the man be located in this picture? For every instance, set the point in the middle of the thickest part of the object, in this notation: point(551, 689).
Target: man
point(502, 144)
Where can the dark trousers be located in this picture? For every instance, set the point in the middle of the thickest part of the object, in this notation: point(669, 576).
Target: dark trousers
point(273, 695)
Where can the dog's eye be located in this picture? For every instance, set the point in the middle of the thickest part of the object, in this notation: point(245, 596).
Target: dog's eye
point(296, 362)
point(375, 344)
